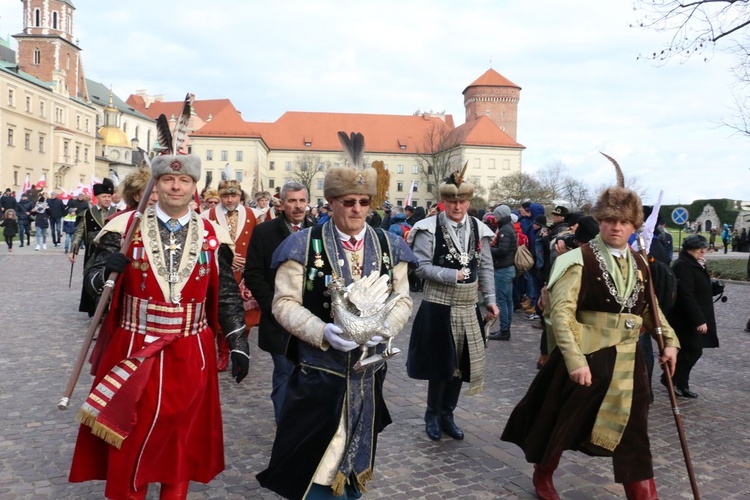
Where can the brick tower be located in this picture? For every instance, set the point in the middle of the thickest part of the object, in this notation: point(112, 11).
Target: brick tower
point(47, 49)
point(496, 97)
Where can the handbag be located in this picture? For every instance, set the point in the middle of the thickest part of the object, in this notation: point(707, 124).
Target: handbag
point(523, 259)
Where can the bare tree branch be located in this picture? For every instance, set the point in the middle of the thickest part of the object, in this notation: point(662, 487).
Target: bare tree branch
point(439, 156)
point(306, 167)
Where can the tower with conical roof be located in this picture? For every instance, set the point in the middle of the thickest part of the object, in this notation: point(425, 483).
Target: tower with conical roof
point(496, 97)
point(47, 49)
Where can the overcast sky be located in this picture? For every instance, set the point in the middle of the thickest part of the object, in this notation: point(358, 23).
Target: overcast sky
point(583, 88)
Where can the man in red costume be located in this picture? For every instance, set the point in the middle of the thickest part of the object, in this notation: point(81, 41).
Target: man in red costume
point(153, 415)
point(239, 221)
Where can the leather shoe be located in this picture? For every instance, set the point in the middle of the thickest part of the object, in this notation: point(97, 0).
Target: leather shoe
point(501, 335)
point(685, 392)
point(432, 428)
point(450, 428)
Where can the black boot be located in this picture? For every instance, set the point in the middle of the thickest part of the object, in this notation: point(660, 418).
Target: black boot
point(450, 400)
point(435, 391)
point(501, 335)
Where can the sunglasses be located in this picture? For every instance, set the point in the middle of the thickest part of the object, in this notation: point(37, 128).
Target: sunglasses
point(212, 203)
point(364, 202)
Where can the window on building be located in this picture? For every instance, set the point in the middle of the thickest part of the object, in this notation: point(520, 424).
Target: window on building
point(11, 136)
point(41, 143)
point(28, 104)
point(67, 62)
point(487, 112)
point(78, 153)
point(66, 149)
point(238, 156)
point(78, 122)
point(224, 155)
point(415, 169)
point(320, 183)
point(59, 115)
point(336, 164)
point(416, 186)
point(272, 165)
point(37, 57)
point(490, 180)
point(238, 175)
point(477, 164)
point(15, 177)
point(27, 140)
point(86, 155)
point(399, 186)
point(125, 127)
point(11, 97)
point(288, 166)
point(492, 164)
point(41, 109)
point(414, 202)
point(271, 183)
point(400, 169)
point(209, 154)
point(37, 18)
point(506, 164)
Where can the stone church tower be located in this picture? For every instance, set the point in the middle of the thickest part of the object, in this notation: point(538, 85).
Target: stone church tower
point(496, 97)
point(47, 49)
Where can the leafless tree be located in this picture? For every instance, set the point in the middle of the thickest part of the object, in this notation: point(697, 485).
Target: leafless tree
point(438, 156)
point(306, 167)
point(575, 192)
point(552, 178)
point(696, 26)
point(516, 188)
point(698, 29)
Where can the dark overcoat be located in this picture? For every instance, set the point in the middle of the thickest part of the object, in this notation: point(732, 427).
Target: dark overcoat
point(694, 304)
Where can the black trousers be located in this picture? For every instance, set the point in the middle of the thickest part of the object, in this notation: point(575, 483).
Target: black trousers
point(686, 359)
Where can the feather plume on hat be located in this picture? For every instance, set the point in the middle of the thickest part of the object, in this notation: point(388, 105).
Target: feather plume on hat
point(172, 160)
point(352, 179)
point(618, 202)
point(454, 188)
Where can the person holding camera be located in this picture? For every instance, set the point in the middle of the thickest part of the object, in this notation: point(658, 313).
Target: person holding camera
point(692, 316)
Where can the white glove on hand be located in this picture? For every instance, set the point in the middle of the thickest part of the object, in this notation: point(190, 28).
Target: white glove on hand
point(331, 333)
point(374, 340)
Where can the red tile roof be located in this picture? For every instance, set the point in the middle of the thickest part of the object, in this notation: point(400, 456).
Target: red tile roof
point(204, 108)
point(484, 132)
point(226, 123)
point(491, 78)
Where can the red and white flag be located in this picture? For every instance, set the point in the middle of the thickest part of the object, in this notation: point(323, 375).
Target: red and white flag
point(411, 190)
point(26, 187)
point(42, 182)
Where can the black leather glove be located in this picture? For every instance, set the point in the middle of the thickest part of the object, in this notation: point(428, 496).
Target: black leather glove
point(116, 262)
point(240, 355)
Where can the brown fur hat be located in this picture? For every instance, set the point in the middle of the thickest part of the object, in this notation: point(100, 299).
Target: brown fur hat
point(133, 185)
point(355, 179)
point(230, 187)
point(453, 187)
point(618, 202)
point(211, 193)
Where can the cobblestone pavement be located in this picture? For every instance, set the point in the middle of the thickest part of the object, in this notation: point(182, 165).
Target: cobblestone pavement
point(42, 331)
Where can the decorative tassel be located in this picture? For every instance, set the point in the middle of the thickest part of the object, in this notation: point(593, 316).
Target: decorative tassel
point(338, 484)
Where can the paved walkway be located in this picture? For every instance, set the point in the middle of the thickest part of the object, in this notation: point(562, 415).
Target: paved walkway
point(42, 332)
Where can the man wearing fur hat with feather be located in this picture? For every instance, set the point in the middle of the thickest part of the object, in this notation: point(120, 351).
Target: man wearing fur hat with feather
point(239, 221)
point(593, 393)
point(153, 414)
point(327, 431)
point(447, 345)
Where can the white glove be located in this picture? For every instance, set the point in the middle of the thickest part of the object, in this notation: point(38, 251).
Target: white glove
point(374, 340)
point(331, 333)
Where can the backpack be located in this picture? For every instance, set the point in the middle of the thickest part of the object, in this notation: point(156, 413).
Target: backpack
point(665, 285)
point(523, 259)
point(406, 229)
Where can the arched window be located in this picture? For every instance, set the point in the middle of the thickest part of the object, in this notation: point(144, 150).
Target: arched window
point(67, 62)
point(37, 56)
point(54, 20)
point(37, 17)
